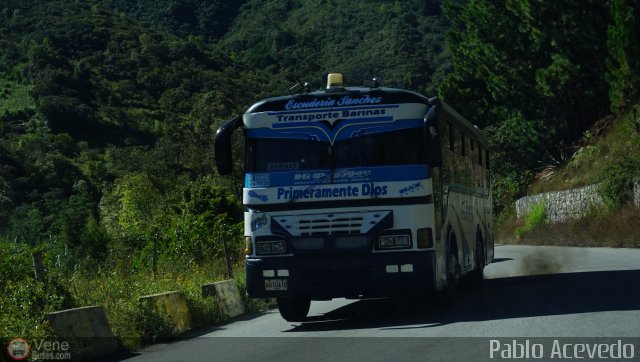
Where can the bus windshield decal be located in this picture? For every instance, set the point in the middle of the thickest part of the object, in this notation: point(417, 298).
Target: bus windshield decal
point(340, 176)
point(331, 102)
point(327, 192)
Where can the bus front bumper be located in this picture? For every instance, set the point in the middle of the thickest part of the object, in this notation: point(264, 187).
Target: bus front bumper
point(342, 275)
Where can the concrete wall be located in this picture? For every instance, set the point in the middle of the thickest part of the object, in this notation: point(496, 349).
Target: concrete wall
point(172, 305)
point(227, 295)
point(90, 337)
point(569, 204)
point(86, 330)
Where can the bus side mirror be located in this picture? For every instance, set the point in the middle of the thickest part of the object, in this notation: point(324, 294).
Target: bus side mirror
point(222, 145)
point(432, 138)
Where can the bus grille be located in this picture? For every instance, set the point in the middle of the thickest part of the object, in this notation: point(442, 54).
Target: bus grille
point(344, 223)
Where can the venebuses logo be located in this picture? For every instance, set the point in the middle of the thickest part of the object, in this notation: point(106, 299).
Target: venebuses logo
point(18, 349)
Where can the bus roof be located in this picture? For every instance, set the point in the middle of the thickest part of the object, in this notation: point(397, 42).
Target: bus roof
point(360, 96)
point(388, 96)
point(458, 120)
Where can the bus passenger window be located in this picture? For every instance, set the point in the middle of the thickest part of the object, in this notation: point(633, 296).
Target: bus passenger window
point(463, 141)
point(486, 159)
point(457, 141)
point(452, 136)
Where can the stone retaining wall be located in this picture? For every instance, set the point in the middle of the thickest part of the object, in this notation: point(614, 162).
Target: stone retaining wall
point(569, 204)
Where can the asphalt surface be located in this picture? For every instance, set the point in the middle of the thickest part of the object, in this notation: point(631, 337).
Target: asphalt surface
point(531, 294)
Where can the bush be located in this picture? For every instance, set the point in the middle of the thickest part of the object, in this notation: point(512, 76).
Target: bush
point(24, 300)
point(536, 218)
point(617, 187)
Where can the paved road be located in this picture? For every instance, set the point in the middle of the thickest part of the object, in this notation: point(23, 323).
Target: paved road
point(529, 292)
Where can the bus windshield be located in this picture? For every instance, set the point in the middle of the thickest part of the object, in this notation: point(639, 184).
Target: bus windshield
point(401, 147)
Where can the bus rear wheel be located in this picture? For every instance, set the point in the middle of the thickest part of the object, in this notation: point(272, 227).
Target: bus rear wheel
point(448, 294)
point(477, 275)
point(293, 309)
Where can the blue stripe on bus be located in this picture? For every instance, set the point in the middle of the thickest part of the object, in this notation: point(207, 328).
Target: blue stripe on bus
point(341, 175)
point(346, 130)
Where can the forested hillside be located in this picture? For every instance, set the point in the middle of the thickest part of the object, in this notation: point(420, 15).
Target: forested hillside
point(401, 42)
point(93, 100)
point(535, 75)
point(108, 109)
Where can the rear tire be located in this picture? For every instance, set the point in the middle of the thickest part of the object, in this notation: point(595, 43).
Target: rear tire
point(294, 309)
point(448, 294)
point(477, 275)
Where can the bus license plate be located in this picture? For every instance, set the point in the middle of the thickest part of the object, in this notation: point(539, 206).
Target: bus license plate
point(275, 284)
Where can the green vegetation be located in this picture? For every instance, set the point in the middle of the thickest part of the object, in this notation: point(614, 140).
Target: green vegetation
point(601, 228)
point(402, 42)
point(624, 169)
point(106, 164)
point(108, 111)
point(531, 73)
point(536, 217)
point(541, 78)
point(115, 284)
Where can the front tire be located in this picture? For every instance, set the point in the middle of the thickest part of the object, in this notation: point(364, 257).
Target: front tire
point(293, 309)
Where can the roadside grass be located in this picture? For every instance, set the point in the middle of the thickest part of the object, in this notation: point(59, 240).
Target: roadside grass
point(609, 155)
point(600, 229)
point(536, 218)
point(118, 292)
point(117, 288)
point(608, 140)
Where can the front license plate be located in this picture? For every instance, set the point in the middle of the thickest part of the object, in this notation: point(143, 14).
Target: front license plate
point(275, 284)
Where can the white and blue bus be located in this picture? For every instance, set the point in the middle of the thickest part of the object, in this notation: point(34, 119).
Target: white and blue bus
point(359, 192)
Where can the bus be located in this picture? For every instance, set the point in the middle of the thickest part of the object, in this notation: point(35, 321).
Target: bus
point(359, 192)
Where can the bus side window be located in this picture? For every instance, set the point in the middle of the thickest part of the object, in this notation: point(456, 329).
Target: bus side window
point(482, 171)
point(486, 159)
point(452, 137)
point(486, 172)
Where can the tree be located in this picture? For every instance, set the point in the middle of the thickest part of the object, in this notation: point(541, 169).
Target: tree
point(133, 209)
point(530, 72)
point(623, 64)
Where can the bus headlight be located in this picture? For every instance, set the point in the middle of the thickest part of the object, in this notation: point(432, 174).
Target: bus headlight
point(394, 241)
point(266, 247)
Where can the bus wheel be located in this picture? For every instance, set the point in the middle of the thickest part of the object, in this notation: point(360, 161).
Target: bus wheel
point(448, 294)
point(477, 273)
point(294, 309)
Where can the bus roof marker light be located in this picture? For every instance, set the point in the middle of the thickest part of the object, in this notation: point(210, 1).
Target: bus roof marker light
point(334, 80)
point(299, 87)
point(372, 83)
